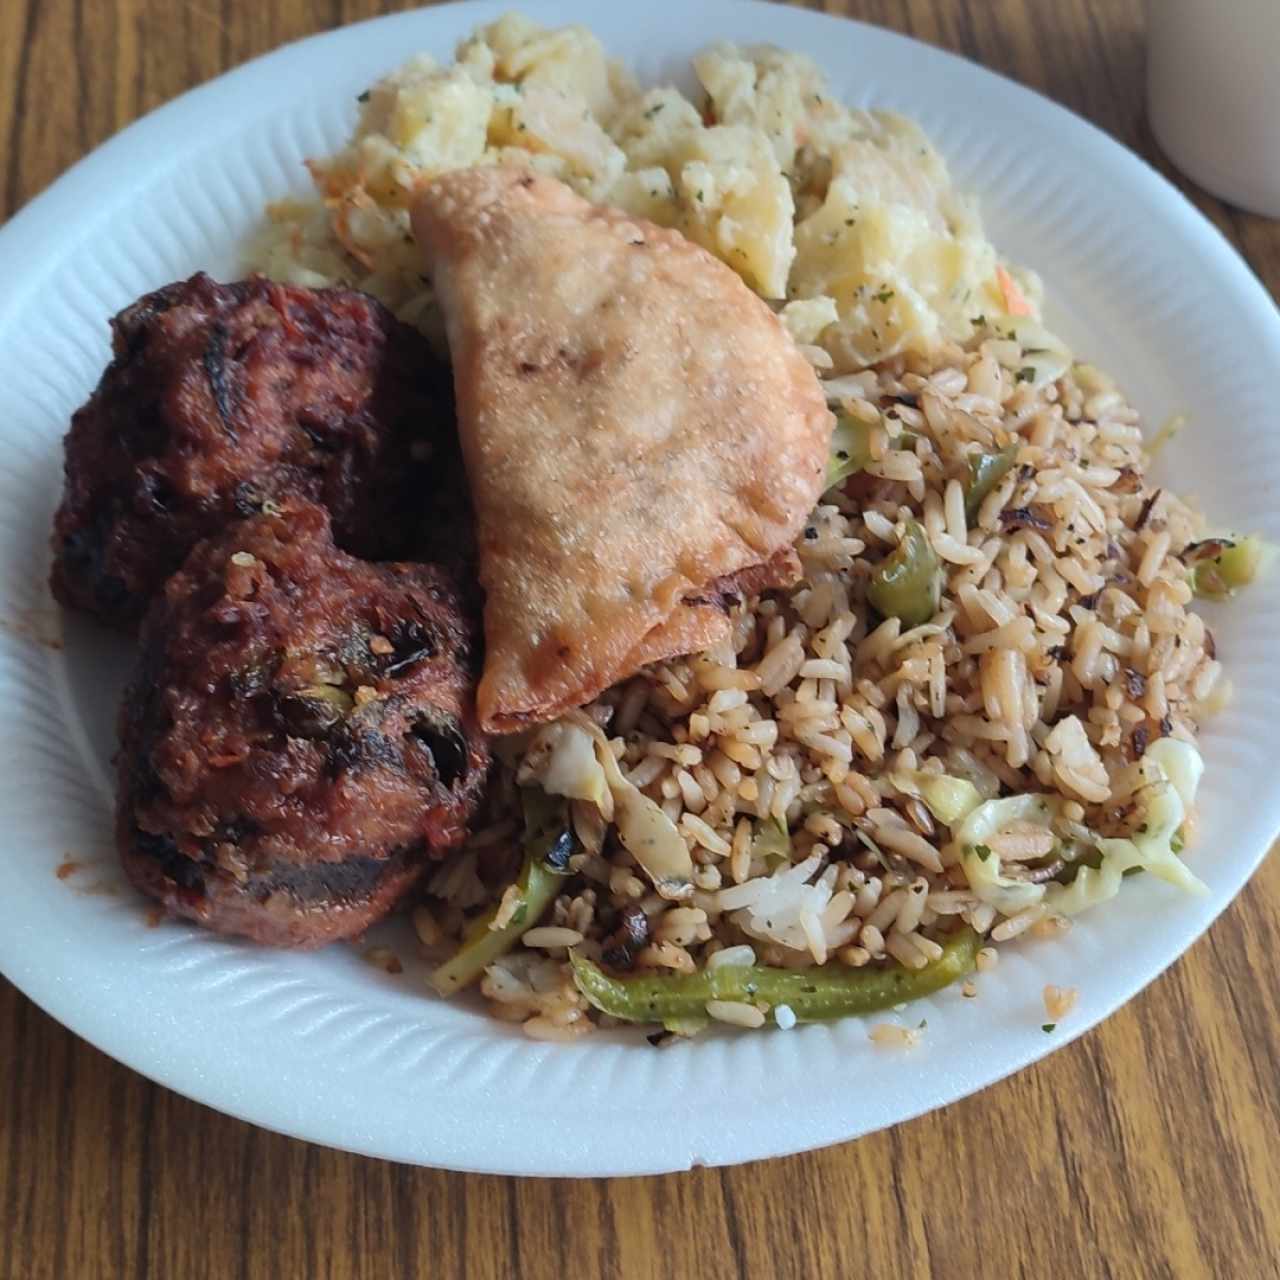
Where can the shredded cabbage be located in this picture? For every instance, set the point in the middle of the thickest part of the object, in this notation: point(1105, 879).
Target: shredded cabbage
point(562, 758)
point(850, 449)
point(776, 906)
point(1045, 357)
point(1171, 772)
point(645, 831)
point(982, 864)
point(949, 799)
point(772, 842)
point(571, 757)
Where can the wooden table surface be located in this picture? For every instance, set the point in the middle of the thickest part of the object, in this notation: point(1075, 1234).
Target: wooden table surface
point(1148, 1148)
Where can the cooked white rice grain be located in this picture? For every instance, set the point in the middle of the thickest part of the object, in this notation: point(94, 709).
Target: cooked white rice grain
point(544, 1028)
point(735, 1012)
point(741, 956)
point(891, 1036)
point(549, 937)
point(1059, 1001)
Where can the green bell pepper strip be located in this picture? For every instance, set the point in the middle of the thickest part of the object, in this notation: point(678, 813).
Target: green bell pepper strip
point(546, 841)
point(908, 583)
point(813, 995)
point(986, 470)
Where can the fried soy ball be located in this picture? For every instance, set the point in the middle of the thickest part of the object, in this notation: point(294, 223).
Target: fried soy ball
point(223, 398)
point(299, 739)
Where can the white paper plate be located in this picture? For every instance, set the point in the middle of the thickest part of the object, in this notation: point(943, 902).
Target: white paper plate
point(327, 1048)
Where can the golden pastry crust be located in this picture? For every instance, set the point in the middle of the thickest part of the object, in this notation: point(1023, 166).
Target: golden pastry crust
point(635, 422)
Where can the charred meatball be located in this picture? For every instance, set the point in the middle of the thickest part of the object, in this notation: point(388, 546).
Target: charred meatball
point(299, 738)
point(221, 398)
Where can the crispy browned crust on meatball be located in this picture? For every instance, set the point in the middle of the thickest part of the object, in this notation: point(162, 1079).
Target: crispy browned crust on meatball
point(299, 737)
point(221, 397)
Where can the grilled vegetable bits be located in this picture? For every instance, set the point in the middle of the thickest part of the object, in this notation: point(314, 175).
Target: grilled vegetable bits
point(299, 739)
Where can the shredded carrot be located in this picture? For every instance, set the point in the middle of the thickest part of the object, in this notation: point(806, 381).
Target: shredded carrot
point(334, 181)
point(1014, 301)
point(326, 182)
point(342, 231)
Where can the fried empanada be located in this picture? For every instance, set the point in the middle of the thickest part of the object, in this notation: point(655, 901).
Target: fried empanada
point(637, 426)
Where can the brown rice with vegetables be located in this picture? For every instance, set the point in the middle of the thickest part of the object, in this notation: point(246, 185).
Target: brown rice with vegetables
point(977, 713)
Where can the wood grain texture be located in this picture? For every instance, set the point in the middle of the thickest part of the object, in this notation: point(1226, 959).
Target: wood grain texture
point(1148, 1149)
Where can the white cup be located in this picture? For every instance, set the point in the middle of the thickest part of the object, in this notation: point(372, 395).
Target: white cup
point(1213, 95)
